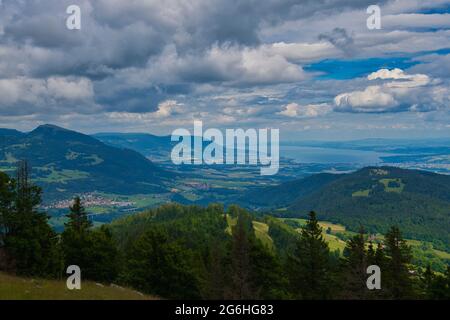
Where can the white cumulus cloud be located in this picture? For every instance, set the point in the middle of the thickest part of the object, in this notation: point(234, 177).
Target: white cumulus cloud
point(398, 91)
point(294, 110)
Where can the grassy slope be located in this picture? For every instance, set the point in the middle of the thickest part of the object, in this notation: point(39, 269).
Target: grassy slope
point(16, 288)
point(261, 231)
point(377, 198)
point(333, 242)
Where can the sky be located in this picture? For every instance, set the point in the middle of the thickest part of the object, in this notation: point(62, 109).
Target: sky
point(311, 68)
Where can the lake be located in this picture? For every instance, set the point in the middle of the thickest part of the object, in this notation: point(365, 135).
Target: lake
point(330, 155)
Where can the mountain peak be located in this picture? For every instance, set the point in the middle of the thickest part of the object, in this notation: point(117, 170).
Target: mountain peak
point(49, 128)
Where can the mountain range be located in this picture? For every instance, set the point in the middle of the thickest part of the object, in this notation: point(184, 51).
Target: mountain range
point(67, 162)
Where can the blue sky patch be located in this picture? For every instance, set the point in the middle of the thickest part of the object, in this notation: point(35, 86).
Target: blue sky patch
point(349, 69)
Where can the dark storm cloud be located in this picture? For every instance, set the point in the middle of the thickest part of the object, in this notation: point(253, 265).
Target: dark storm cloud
point(340, 39)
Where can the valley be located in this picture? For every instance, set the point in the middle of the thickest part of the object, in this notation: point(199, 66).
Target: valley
point(119, 175)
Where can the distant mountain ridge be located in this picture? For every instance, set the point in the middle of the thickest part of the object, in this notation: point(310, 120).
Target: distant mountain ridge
point(286, 193)
point(374, 197)
point(66, 162)
point(146, 144)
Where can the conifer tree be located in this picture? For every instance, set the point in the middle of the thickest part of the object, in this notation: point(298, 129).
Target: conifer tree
point(398, 277)
point(94, 251)
point(6, 209)
point(214, 282)
point(380, 257)
point(30, 242)
point(310, 276)
point(157, 265)
point(241, 277)
point(355, 265)
point(78, 218)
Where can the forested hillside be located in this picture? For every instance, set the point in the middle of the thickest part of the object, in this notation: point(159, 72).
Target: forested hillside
point(192, 252)
point(374, 197)
point(66, 162)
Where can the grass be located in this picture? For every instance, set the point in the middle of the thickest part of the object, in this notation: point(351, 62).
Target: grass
point(261, 231)
point(333, 226)
point(324, 224)
point(62, 176)
point(334, 243)
point(387, 188)
point(361, 193)
point(231, 222)
point(95, 159)
point(16, 288)
point(428, 247)
point(441, 254)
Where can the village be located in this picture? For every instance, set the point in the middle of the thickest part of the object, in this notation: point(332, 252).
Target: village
point(91, 200)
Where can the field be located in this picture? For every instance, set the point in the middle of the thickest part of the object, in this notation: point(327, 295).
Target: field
point(15, 288)
point(329, 231)
point(393, 185)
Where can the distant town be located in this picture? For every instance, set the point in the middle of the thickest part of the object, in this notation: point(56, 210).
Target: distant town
point(91, 200)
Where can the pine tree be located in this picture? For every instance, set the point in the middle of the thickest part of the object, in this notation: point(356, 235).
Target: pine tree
point(310, 276)
point(7, 187)
point(214, 282)
point(75, 237)
point(158, 265)
point(101, 256)
point(30, 242)
point(355, 265)
point(398, 278)
point(78, 218)
point(94, 251)
point(241, 277)
point(380, 257)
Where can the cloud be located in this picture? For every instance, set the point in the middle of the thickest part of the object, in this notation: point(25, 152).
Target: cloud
point(164, 111)
point(414, 92)
point(294, 110)
point(168, 108)
point(20, 95)
point(416, 21)
point(434, 64)
point(303, 52)
point(371, 99)
point(229, 65)
point(70, 88)
point(340, 39)
point(413, 80)
point(161, 63)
